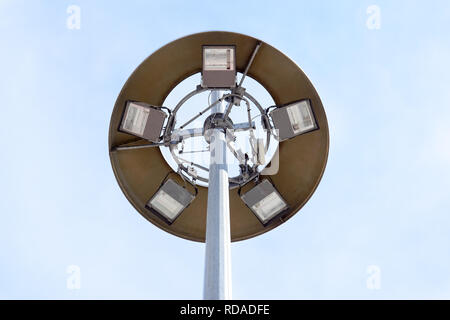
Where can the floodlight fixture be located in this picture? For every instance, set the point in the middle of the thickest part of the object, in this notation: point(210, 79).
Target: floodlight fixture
point(143, 120)
point(265, 202)
point(219, 66)
point(169, 201)
point(294, 119)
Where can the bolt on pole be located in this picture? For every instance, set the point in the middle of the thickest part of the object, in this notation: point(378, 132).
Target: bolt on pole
point(217, 283)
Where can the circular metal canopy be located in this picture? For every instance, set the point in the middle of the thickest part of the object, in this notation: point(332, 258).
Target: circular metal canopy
point(302, 159)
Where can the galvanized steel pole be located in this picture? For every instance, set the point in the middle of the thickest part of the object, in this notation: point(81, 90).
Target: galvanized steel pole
point(217, 285)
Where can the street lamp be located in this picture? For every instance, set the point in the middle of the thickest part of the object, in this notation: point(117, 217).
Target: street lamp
point(293, 119)
point(219, 66)
point(265, 202)
point(142, 120)
point(139, 128)
point(170, 200)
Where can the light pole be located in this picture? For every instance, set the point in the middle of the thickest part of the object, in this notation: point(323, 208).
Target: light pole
point(217, 283)
point(204, 202)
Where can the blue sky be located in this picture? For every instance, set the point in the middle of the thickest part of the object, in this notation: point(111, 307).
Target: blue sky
point(383, 201)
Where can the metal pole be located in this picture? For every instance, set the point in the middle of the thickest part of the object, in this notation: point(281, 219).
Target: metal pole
point(217, 284)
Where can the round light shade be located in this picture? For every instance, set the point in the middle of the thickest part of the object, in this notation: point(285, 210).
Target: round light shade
point(302, 159)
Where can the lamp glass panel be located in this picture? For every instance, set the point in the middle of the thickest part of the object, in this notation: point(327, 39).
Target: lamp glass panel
point(269, 206)
point(136, 119)
point(218, 59)
point(166, 205)
point(301, 117)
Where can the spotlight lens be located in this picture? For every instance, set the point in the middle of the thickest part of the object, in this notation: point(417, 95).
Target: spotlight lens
point(136, 119)
point(301, 117)
point(269, 206)
point(166, 205)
